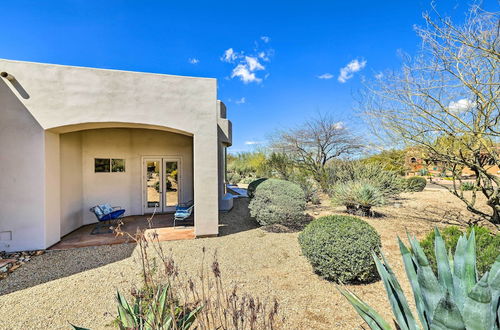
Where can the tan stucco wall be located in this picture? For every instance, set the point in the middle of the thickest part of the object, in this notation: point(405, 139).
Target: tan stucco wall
point(56, 97)
point(22, 183)
point(71, 182)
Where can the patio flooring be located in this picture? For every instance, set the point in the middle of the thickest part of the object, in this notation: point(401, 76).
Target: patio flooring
point(161, 223)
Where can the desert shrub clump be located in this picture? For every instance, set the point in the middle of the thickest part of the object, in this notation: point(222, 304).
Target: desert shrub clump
point(278, 202)
point(415, 183)
point(487, 245)
point(340, 248)
point(357, 196)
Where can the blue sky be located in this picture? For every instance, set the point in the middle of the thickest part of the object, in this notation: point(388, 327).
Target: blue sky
point(280, 49)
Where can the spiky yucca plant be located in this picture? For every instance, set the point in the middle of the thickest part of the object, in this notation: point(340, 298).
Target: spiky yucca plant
point(455, 299)
point(154, 312)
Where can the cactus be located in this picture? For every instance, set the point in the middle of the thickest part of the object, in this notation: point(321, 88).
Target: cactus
point(455, 299)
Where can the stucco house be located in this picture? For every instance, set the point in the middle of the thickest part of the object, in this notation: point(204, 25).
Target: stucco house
point(74, 137)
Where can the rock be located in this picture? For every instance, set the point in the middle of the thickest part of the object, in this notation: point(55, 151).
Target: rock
point(4, 269)
point(13, 268)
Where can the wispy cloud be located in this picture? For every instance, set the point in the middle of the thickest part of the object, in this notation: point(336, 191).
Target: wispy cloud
point(325, 76)
point(461, 105)
point(240, 101)
point(229, 56)
point(266, 39)
point(348, 71)
point(193, 60)
point(250, 143)
point(247, 65)
point(379, 76)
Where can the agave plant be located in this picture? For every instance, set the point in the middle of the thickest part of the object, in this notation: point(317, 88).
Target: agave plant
point(455, 299)
point(156, 312)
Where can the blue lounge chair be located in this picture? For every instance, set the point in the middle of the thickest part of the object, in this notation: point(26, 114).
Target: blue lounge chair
point(103, 213)
point(183, 211)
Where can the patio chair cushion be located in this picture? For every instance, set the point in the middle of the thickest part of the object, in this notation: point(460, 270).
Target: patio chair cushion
point(106, 208)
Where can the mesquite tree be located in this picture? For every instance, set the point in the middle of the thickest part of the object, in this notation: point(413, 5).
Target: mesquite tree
point(316, 142)
point(445, 101)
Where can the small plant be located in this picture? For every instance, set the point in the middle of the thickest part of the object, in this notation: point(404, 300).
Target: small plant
point(253, 185)
point(357, 196)
point(487, 246)
point(233, 178)
point(154, 310)
point(278, 202)
point(467, 186)
point(415, 183)
point(455, 299)
point(247, 180)
point(340, 248)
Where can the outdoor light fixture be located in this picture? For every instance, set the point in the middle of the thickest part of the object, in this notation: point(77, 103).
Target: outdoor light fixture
point(7, 76)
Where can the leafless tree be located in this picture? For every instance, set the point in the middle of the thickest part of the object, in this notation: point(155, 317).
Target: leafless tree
point(313, 144)
point(445, 101)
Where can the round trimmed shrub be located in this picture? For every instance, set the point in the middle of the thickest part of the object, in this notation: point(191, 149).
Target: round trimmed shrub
point(253, 185)
point(415, 183)
point(278, 202)
point(340, 248)
point(487, 246)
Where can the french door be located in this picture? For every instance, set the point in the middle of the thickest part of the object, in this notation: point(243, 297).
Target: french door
point(161, 184)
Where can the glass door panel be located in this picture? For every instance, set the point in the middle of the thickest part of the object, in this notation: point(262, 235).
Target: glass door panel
point(171, 179)
point(153, 185)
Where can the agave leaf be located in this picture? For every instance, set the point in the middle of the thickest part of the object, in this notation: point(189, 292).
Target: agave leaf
point(399, 304)
point(411, 272)
point(431, 291)
point(125, 313)
point(477, 306)
point(78, 328)
point(459, 272)
point(187, 321)
point(444, 273)
point(470, 262)
point(447, 315)
point(494, 283)
point(371, 317)
point(162, 303)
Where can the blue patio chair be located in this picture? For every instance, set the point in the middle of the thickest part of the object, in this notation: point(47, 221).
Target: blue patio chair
point(103, 213)
point(183, 211)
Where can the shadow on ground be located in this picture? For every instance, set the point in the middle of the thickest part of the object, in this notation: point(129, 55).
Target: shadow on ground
point(58, 264)
point(238, 219)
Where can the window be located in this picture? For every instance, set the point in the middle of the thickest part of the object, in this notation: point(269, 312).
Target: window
point(117, 165)
point(102, 165)
point(106, 165)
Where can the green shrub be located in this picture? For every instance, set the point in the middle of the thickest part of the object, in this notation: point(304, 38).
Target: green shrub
point(466, 186)
point(253, 185)
point(357, 196)
point(247, 180)
point(233, 178)
point(308, 185)
point(388, 183)
point(278, 202)
point(487, 246)
point(340, 248)
point(415, 183)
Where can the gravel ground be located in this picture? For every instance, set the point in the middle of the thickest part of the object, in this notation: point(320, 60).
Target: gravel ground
point(79, 285)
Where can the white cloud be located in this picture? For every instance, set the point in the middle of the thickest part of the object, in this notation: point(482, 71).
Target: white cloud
point(379, 76)
point(242, 71)
point(266, 39)
point(240, 101)
point(229, 56)
point(247, 64)
point(193, 60)
point(249, 143)
point(253, 63)
point(461, 105)
point(348, 71)
point(325, 76)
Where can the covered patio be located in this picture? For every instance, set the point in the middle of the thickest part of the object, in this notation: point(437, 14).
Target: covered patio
point(162, 224)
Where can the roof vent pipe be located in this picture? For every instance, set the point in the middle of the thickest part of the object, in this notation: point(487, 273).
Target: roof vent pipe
point(7, 76)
